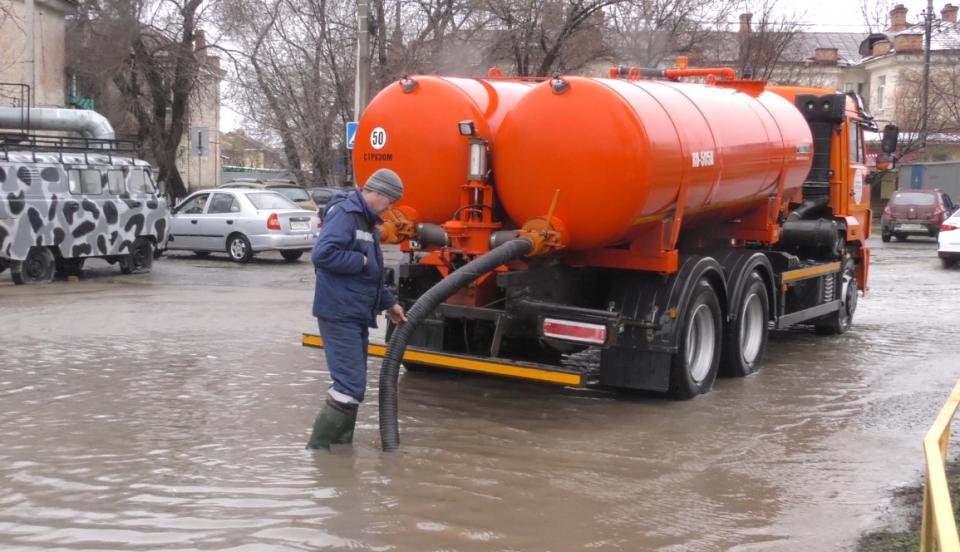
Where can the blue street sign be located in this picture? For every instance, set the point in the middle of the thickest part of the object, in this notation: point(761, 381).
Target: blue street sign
point(351, 133)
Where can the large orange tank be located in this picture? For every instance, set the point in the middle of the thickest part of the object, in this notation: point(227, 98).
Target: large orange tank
point(411, 127)
point(619, 151)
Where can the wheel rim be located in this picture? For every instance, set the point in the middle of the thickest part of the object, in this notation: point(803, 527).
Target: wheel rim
point(34, 267)
point(849, 298)
point(752, 325)
point(701, 337)
point(238, 249)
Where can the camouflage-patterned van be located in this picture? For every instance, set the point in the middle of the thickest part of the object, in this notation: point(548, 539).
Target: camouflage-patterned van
point(58, 209)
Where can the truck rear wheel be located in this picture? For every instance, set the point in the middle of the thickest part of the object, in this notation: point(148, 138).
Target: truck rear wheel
point(693, 368)
point(746, 338)
point(840, 321)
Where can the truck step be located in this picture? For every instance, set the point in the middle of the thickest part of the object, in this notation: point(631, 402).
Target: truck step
point(466, 363)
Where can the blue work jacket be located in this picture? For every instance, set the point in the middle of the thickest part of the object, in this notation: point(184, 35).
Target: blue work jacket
point(345, 288)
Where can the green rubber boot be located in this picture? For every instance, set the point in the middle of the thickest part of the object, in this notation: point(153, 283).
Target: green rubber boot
point(334, 425)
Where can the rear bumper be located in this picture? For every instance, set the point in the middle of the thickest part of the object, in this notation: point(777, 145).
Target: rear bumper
point(911, 228)
point(948, 249)
point(270, 242)
point(465, 363)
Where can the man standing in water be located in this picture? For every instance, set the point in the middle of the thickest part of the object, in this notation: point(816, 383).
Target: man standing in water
point(350, 292)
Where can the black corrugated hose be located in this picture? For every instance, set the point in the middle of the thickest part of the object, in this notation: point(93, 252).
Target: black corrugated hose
point(390, 370)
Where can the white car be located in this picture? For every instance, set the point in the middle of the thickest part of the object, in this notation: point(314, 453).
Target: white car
point(948, 241)
point(242, 222)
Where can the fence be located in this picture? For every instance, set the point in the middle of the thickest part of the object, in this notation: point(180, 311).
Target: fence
point(939, 525)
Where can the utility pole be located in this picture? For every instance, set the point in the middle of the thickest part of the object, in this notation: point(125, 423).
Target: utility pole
point(361, 90)
point(925, 94)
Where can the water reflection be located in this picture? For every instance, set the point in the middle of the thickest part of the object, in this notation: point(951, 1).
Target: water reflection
point(122, 430)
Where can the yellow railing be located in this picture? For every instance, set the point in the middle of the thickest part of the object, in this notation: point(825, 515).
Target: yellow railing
point(938, 521)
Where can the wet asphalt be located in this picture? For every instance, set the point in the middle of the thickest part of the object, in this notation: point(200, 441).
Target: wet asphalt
point(168, 411)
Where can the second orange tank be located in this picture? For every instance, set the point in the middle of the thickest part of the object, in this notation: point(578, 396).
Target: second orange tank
point(619, 152)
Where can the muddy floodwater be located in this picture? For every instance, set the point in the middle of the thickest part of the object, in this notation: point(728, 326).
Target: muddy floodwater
point(169, 411)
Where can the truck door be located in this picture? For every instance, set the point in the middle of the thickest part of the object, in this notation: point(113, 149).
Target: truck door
point(859, 194)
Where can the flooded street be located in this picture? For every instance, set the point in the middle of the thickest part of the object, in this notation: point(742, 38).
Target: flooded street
point(169, 411)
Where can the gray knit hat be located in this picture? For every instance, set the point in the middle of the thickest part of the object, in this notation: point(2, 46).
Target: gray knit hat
point(386, 182)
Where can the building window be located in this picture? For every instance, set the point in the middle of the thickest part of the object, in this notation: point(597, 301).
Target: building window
point(881, 85)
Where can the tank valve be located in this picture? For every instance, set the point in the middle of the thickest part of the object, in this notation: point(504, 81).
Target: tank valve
point(559, 85)
point(408, 85)
point(545, 233)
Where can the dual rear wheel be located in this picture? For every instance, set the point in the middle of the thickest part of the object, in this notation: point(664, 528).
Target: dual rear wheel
point(708, 346)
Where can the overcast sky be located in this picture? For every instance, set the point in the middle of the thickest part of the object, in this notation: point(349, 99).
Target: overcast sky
point(844, 15)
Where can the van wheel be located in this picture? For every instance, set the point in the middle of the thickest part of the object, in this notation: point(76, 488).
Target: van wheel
point(238, 248)
point(694, 368)
point(140, 258)
point(37, 268)
point(291, 256)
point(746, 339)
point(885, 236)
point(839, 322)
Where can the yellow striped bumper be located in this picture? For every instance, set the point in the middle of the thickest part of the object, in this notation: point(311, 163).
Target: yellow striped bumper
point(497, 367)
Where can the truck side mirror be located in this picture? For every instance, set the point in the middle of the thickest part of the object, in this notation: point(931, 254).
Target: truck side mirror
point(890, 135)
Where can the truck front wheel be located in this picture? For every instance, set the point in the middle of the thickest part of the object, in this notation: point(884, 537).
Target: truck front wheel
point(746, 338)
point(841, 320)
point(694, 368)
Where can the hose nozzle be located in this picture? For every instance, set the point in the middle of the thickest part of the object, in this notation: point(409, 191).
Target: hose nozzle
point(545, 233)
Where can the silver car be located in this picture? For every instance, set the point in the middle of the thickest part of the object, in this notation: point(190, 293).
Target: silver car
point(242, 222)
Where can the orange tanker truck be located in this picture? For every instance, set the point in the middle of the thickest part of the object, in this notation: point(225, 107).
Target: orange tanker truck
point(667, 224)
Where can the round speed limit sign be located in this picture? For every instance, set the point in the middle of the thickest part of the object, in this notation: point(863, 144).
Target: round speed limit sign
point(378, 138)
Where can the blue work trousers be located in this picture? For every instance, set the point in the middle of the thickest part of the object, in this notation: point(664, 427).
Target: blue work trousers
point(345, 345)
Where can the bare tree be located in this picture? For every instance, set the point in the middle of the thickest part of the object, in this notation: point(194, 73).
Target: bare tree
point(943, 122)
point(540, 36)
point(874, 13)
point(768, 42)
point(427, 36)
point(294, 76)
point(294, 79)
point(146, 50)
point(648, 32)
